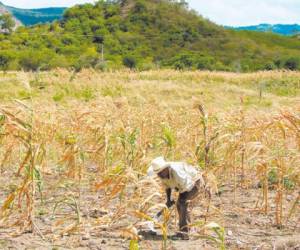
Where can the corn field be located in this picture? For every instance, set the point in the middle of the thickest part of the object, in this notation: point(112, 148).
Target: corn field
point(74, 151)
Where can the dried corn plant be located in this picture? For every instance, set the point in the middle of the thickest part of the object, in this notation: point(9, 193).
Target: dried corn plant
point(80, 162)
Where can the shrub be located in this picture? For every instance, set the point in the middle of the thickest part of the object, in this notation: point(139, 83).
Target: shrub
point(130, 61)
point(270, 66)
point(205, 62)
point(183, 61)
point(37, 59)
point(4, 61)
point(292, 63)
point(88, 59)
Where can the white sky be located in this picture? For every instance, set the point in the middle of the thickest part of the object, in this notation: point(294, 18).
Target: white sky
point(225, 12)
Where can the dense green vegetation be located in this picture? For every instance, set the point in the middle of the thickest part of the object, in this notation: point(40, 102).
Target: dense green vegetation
point(143, 34)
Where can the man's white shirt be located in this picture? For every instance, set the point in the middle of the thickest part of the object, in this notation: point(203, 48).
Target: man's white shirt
point(182, 177)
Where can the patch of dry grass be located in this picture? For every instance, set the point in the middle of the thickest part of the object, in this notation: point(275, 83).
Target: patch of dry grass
point(72, 145)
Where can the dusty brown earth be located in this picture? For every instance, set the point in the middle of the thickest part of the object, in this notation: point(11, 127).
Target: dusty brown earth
point(245, 227)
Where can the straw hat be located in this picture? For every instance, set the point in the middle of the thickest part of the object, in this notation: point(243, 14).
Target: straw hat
point(157, 165)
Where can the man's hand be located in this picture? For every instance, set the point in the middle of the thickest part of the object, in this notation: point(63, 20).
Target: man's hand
point(170, 203)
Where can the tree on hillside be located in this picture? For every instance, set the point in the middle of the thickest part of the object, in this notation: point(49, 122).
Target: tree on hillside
point(4, 61)
point(7, 23)
point(184, 3)
point(292, 63)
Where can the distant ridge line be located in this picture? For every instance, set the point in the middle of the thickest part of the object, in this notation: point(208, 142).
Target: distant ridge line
point(34, 16)
point(282, 29)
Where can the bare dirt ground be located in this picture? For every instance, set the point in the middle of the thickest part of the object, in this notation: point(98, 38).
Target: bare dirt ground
point(245, 226)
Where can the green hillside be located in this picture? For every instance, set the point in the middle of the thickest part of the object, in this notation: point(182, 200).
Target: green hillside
point(143, 34)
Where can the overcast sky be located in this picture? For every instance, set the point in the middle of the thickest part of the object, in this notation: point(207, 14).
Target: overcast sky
point(225, 12)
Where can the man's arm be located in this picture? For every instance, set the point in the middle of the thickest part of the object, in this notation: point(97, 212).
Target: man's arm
point(165, 174)
point(170, 202)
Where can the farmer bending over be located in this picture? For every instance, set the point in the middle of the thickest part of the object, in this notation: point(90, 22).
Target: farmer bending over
point(183, 178)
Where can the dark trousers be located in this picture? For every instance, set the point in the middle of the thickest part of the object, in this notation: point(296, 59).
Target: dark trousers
point(182, 206)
